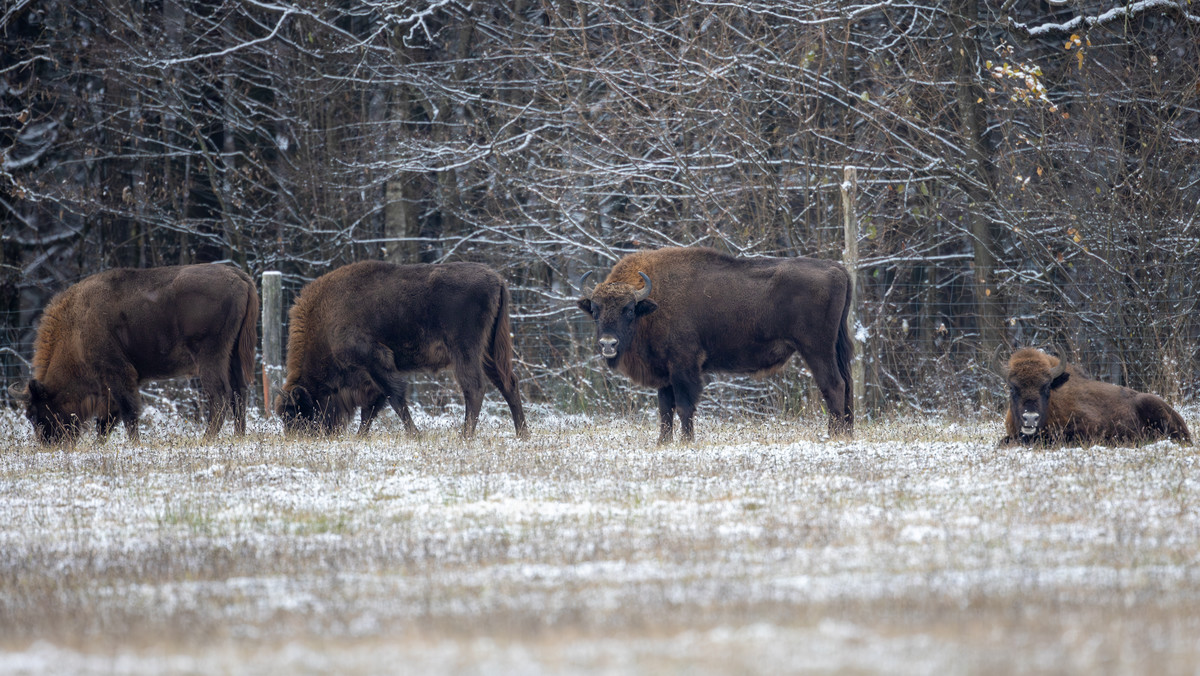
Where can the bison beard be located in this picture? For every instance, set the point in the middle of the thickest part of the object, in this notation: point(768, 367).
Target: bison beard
point(666, 317)
point(1052, 402)
point(356, 331)
point(104, 336)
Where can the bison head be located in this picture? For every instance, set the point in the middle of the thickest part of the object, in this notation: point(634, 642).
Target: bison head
point(1031, 375)
point(615, 307)
point(295, 407)
point(56, 418)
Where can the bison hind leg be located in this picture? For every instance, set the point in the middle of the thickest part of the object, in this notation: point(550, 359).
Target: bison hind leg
point(834, 390)
point(213, 366)
point(470, 378)
point(507, 384)
point(1160, 420)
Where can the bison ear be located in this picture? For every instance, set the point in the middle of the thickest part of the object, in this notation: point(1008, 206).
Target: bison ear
point(585, 304)
point(1058, 381)
point(645, 307)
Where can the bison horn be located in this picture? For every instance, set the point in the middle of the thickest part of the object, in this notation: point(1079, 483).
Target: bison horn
point(583, 279)
point(19, 391)
point(1058, 369)
point(640, 296)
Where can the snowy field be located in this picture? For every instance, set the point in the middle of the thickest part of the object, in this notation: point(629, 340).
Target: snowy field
point(919, 547)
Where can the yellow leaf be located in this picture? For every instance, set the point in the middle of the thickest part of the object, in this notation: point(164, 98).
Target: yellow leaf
point(1079, 58)
point(1039, 170)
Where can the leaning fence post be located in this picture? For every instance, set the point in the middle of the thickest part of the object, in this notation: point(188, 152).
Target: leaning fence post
point(272, 336)
point(850, 260)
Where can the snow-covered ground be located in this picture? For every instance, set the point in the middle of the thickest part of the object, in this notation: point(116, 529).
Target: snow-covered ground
point(918, 547)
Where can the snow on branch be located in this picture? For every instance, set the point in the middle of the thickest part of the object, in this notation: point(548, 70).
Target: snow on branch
point(1115, 14)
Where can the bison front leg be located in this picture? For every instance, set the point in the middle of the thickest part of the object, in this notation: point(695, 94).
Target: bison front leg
point(666, 414)
point(686, 386)
point(104, 425)
point(382, 368)
point(129, 407)
point(368, 414)
point(399, 401)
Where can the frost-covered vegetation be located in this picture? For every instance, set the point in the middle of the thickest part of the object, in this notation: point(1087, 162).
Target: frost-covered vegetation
point(918, 547)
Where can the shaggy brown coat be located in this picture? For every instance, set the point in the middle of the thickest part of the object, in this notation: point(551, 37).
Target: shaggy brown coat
point(356, 331)
point(706, 311)
point(1054, 403)
point(100, 339)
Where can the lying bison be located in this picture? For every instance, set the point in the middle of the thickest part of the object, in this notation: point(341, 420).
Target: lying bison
point(1053, 402)
point(356, 331)
point(666, 317)
point(103, 337)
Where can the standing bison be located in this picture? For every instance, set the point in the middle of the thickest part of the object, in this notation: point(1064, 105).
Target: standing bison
point(666, 317)
point(356, 331)
point(1053, 402)
point(103, 337)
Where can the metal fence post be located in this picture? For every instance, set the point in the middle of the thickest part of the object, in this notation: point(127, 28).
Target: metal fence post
point(850, 260)
point(272, 337)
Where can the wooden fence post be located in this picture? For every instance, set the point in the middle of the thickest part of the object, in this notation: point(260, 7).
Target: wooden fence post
point(850, 260)
point(272, 337)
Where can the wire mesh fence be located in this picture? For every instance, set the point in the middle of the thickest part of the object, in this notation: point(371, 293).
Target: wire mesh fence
point(923, 344)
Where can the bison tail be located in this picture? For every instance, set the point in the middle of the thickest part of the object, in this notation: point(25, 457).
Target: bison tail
point(498, 358)
point(498, 362)
point(241, 367)
point(845, 355)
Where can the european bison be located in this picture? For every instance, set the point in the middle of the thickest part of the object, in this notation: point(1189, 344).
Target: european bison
point(666, 317)
point(1053, 402)
point(104, 336)
point(356, 331)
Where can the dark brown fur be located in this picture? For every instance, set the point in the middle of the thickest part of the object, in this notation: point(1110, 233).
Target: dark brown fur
point(104, 336)
point(356, 331)
point(1072, 408)
point(708, 311)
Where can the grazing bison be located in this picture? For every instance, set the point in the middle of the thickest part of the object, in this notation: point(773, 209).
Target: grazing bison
point(1053, 402)
point(356, 331)
point(103, 337)
point(666, 317)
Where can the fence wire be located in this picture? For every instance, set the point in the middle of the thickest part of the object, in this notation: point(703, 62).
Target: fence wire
point(923, 347)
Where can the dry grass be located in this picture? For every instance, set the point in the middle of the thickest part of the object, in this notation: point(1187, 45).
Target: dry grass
point(919, 547)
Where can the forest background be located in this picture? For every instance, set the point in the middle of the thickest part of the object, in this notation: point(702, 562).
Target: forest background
point(1028, 173)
